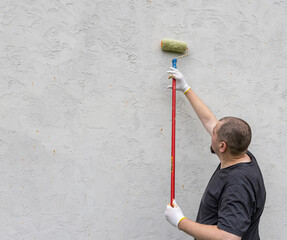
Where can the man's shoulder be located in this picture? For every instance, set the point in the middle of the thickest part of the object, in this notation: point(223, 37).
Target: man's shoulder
point(245, 173)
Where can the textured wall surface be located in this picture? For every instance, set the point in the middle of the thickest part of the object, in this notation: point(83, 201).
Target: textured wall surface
point(85, 115)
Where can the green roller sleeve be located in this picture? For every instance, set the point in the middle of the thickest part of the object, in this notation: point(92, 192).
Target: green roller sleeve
point(173, 45)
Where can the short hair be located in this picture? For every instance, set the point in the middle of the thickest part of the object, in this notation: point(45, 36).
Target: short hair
point(236, 133)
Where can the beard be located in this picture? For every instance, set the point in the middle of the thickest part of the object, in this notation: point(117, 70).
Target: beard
point(211, 150)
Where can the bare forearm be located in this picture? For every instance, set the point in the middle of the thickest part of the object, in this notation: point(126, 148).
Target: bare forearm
point(204, 114)
point(205, 232)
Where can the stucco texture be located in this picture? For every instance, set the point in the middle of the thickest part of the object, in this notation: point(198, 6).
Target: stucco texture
point(85, 115)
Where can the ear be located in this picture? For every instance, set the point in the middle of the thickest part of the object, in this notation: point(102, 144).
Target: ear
point(222, 147)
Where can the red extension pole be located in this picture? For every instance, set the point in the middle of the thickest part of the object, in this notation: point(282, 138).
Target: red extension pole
point(172, 190)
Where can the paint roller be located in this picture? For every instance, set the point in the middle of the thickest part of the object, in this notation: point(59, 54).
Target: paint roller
point(174, 46)
point(178, 47)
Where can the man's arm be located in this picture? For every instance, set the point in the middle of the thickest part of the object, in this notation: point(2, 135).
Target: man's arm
point(199, 231)
point(205, 232)
point(204, 114)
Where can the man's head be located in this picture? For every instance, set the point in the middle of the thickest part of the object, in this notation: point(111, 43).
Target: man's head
point(232, 135)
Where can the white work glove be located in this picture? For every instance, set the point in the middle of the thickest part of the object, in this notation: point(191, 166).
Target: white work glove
point(174, 214)
point(181, 84)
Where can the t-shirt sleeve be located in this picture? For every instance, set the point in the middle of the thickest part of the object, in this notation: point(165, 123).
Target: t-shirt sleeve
point(235, 209)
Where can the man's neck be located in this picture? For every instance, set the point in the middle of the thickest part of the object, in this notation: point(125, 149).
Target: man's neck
point(228, 160)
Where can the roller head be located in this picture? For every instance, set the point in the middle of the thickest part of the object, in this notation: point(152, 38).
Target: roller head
point(173, 46)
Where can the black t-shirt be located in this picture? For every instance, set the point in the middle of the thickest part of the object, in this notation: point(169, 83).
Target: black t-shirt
point(234, 199)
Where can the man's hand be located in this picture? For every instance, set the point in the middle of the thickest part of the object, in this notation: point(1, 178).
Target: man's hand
point(181, 84)
point(174, 214)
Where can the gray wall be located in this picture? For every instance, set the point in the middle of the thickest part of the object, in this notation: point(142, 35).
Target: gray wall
point(85, 115)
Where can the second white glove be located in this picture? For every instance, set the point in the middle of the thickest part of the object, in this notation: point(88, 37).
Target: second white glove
point(174, 214)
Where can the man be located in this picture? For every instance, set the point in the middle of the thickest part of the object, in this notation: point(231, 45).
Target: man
point(234, 199)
